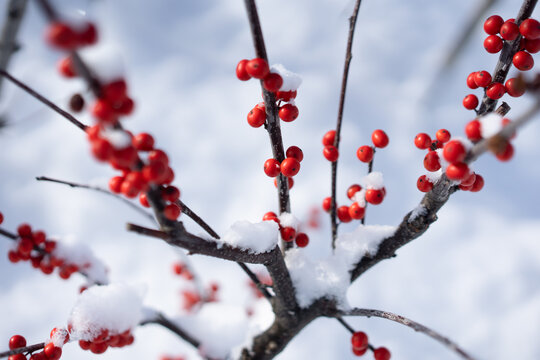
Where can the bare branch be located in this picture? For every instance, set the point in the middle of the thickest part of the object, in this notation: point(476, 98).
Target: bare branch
point(160, 319)
point(23, 350)
point(410, 323)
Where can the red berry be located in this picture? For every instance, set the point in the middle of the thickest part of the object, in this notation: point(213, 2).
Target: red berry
point(17, 341)
point(158, 156)
point(381, 353)
point(457, 171)
point(454, 151)
point(66, 67)
point(290, 182)
point(1, 218)
point(423, 184)
point(288, 234)
point(154, 172)
point(38, 356)
point(356, 211)
point(493, 24)
point(523, 61)
point(61, 36)
point(241, 72)
point(470, 102)
point(271, 167)
point(493, 44)
point(272, 82)
point(290, 167)
point(353, 189)
point(443, 135)
point(24, 230)
point(101, 149)
point(129, 189)
point(509, 31)
point(478, 183)
point(327, 204)
point(507, 153)
point(53, 352)
point(126, 106)
point(379, 138)
point(271, 216)
point(471, 83)
point(515, 87)
point(331, 153)
point(288, 112)
point(143, 199)
point(286, 95)
point(482, 78)
point(530, 29)
point(17, 357)
point(301, 240)
point(13, 256)
point(469, 180)
point(98, 347)
point(143, 142)
point(431, 161)
point(170, 193)
point(115, 92)
point(532, 45)
point(256, 117)
point(343, 214)
point(89, 35)
point(295, 152)
point(359, 340)
point(172, 211)
point(359, 352)
point(495, 91)
point(365, 153)
point(103, 111)
point(472, 130)
point(422, 141)
point(374, 196)
point(329, 138)
point(257, 68)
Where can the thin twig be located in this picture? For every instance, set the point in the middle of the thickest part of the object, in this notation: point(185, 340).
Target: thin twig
point(147, 231)
point(370, 169)
point(8, 234)
point(348, 57)
point(160, 319)
point(410, 323)
point(22, 350)
point(44, 100)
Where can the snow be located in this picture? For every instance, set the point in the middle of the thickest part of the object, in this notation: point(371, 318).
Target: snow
point(374, 180)
point(118, 138)
point(288, 220)
point(330, 277)
point(291, 81)
point(435, 175)
point(420, 210)
point(255, 238)
point(490, 124)
point(360, 197)
point(115, 307)
point(104, 61)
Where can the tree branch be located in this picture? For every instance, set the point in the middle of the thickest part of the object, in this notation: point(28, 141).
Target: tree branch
point(160, 319)
point(410, 323)
point(22, 350)
point(348, 57)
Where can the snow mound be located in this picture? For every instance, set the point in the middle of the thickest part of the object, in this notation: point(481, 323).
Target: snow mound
point(252, 237)
point(291, 81)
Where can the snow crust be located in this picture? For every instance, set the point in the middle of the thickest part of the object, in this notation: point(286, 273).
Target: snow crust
point(436, 175)
point(116, 307)
point(374, 180)
point(420, 210)
point(360, 197)
point(291, 81)
point(288, 220)
point(252, 237)
point(490, 124)
point(330, 277)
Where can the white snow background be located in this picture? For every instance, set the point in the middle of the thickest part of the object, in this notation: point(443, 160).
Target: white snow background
point(474, 276)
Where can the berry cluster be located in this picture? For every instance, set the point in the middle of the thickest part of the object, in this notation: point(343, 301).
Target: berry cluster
point(288, 233)
point(33, 246)
point(105, 339)
point(360, 346)
point(528, 33)
point(192, 298)
point(504, 150)
point(50, 351)
point(289, 167)
point(67, 37)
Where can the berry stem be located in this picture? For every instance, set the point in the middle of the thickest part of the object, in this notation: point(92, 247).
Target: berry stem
point(348, 57)
point(370, 169)
point(8, 234)
point(22, 350)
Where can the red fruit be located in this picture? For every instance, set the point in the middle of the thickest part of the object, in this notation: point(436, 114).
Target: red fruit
point(471, 83)
point(178, 268)
point(61, 36)
point(272, 82)
point(359, 352)
point(103, 111)
point(38, 237)
point(482, 78)
point(356, 211)
point(359, 340)
point(143, 142)
point(170, 193)
point(158, 156)
point(126, 106)
point(13, 256)
point(374, 196)
point(288, 112)
point(271, 167)
point(472, 130)
point(85, 345)
point(509, 31)
point(443, 135)
point(379, 138)
point(89, 35)
point(469, 180)
point(101, 149)
point(431, 161)
point(343, 214)
point(523, 61)
point(495, 91)
point(288, 233)
point(454, 151)
point(52, 352)
point(290, 182)
point(365, 153)
point(154, 172)
point(270, 216)
point(1, 218)
point(470, 102)
point(331, 153)
point(353, 189)
point(17, 357)
point(115, 184)
point(295, 152)
point(241, 72)
point(129, 189)
point(257, 68)
point(38, 356)
point(115, 91)
point(532, 45)
point(493, 24)
point(17, 341)
point(507, 153)
point(423, 184)
point(421, 141)
point(290, 167)
point(530, 29)
point(50, 246)
point(327, 204)
point(457, 171)
point(98, 348)
point(66, 67)
point(168, 177)
point(172, 211)
point(381, 353)
point(329, 138)
point(286, 95)
point(143, 199)
point(25, 246)
point(24, 230)
point(478, 183)
point(256, 117)
point(302, 240)
point(493, 44)
point(515, 87)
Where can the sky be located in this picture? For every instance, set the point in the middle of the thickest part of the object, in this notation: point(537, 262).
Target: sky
point(474, 276)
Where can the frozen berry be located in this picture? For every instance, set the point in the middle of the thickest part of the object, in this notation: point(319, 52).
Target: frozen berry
point(374, 196)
